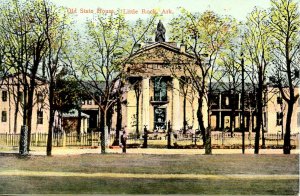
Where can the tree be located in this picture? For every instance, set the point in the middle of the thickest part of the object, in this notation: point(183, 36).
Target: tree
point(188, 94)
point(257, 44)
point(22, 21)
point(206, 35)
point(285, 28)
point(105, 49)
point(16, 29)
point(3, 70)
point(231, 67)
point(137, 91)
point(55, 24)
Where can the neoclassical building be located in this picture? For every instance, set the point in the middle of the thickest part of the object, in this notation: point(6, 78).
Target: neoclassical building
point(154, 93)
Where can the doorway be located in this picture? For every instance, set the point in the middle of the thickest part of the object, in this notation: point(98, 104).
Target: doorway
point(160, 119)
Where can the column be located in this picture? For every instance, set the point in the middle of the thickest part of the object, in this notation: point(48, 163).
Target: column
point(146, 102)
point(176, 106)
point(81, 125)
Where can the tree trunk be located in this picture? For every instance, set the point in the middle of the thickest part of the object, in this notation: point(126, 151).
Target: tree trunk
point(208, 130)
point(17, 108)
point(200, 120)
point(51, 120)
point(119, 123)
point(9, 107)
point(103, 134)
point(287, 136)
point(102, 121)
point(109, 115)
point(259, 110)
point(184, 113)
point(29, 111)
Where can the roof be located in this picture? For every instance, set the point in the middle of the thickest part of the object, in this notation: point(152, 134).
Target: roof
point(226, 86)
point(11, 75)
point(172, 46)
point(74, 113)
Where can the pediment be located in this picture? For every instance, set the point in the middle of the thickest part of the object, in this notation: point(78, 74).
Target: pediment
point(162, 53)
point(158, 59)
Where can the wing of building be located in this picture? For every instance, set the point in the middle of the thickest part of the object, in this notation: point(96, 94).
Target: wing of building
point(12, 104)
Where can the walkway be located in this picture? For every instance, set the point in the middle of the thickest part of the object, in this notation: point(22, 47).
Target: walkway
point(145, 176)
point(77, 151)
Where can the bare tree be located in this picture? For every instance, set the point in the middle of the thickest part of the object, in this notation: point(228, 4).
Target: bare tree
point(98, 65)
point(26, 40)
point(285, 27)
point(205, 35)
point(16, 29)
point(257, 44)
point(55, 25)
point(231, 82)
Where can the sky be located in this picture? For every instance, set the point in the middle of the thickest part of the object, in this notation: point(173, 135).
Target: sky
point(135, 9)
point(83, 10)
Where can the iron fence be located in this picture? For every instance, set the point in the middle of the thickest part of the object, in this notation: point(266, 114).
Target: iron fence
point(154, 139)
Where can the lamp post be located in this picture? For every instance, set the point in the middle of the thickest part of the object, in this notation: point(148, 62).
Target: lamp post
point(243, 103)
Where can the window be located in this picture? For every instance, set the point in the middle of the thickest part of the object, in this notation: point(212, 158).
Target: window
point(4, 116)
point(20, 96)
point(4, 96)
point(265, 120)
point(298, 119)
point(279, 118)
point(160, 89)
point(39, 117)
point(279, 100)
point(227, 101)
point(40, 98)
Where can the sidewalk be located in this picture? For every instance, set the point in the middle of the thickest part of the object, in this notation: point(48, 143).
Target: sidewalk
point(79, 151)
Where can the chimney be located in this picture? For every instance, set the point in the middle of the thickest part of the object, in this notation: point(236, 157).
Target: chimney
point(182, 48)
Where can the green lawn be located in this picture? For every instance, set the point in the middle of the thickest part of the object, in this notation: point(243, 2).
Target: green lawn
point(152, 164)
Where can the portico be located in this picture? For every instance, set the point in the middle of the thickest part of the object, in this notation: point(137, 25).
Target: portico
point(159, 98)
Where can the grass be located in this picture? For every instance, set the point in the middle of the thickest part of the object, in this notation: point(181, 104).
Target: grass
point(152, 164)
point(67, 185)
point(145, 163)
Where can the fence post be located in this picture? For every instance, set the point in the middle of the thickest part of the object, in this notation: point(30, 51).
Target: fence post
point(169, 134)
point(145, 144)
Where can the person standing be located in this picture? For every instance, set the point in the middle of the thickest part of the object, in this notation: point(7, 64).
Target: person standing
point(123, 140)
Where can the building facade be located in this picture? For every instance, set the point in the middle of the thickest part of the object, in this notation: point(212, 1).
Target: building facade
point(12, 105)
point(276, 112)
point(154, 95)
point(226, 111)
